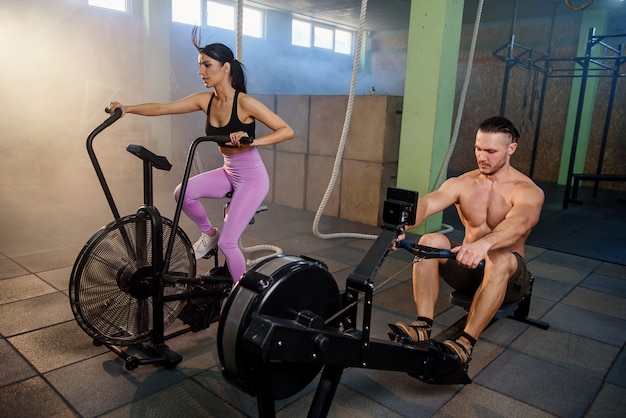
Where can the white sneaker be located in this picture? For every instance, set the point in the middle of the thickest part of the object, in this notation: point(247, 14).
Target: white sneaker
point(205, 244)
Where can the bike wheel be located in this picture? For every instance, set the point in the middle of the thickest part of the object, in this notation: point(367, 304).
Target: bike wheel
point(111, 284)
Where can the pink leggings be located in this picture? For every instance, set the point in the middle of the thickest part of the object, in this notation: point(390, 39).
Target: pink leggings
point(247, 177)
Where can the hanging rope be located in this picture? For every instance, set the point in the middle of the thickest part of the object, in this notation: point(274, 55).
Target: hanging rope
point(344, 135)
point(581, 7)
point(443, 172)
point(248, 251)
point(342, 142)
point(239, 43)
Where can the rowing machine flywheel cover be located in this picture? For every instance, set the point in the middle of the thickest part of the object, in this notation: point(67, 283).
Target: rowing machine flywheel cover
point(280, 288)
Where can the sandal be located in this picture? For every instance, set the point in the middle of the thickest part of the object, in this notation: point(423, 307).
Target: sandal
point(461, 350)
point(409, 334)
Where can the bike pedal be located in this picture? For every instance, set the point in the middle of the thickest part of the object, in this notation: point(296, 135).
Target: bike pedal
point(211, 253)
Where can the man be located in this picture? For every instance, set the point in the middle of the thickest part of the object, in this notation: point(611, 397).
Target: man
point(498, 206)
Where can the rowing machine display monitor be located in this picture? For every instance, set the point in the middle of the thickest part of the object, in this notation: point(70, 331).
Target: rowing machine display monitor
point(399, 208)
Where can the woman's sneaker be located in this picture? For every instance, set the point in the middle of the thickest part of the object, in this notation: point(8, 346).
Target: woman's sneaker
point(205, 244)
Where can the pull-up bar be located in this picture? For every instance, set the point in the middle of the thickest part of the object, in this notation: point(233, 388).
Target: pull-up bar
point(607, 65)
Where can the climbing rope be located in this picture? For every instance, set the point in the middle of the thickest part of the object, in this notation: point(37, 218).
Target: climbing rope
point(342, 142)
point(248, 251)
point(581, 7)
point(344, 134)
point(239, 42)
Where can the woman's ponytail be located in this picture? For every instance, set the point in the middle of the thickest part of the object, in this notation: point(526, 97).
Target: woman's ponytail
point(237, 76)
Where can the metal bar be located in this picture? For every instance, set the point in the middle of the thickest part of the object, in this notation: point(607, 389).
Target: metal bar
point(579, 111)
point(605, 131)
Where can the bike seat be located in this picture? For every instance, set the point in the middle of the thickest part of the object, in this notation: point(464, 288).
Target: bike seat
point(157, 161)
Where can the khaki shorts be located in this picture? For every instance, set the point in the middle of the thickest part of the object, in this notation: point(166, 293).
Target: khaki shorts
point(467, 280)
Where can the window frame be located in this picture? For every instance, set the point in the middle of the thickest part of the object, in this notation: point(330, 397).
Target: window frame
point(324, 27)
point(203, 17)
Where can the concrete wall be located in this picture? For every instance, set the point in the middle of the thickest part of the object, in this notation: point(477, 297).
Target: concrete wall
point(301, 169)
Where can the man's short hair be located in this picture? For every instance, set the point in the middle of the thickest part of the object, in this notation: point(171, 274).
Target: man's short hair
point(498, 124)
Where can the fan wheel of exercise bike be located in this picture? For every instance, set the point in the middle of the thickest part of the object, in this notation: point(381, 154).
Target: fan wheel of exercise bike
point(279, 287)
point(112, 279)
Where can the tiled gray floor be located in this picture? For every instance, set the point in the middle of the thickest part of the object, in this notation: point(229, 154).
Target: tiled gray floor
point(588, 324)
point(50, 367)
point(14, 367)
point(610, 402)
point(561, 391)
point(476, 401)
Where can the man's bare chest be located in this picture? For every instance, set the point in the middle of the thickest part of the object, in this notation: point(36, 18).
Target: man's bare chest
point(483, 208)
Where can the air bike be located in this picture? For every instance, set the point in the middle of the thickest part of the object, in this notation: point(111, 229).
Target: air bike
point(286, 321)
point(136, 277)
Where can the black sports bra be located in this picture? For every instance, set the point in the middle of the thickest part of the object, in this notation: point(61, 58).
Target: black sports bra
point(233, 125)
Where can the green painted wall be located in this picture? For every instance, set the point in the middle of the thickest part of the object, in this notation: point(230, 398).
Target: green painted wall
point(597, 19)
point(432, 59)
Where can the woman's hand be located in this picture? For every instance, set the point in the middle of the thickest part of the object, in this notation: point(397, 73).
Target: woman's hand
point(235, 138)
point(116, 105)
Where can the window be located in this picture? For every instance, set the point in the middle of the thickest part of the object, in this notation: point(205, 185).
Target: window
point(343, 41)
point(224, 16)
point(305, 34)
point(323, 37)
point(301, 33)
point(252, 22)
point(186, 11)
point(220, 15)
point(119, 5)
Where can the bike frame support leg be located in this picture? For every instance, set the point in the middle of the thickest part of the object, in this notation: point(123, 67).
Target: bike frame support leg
point(326, 388)
point(265, 393)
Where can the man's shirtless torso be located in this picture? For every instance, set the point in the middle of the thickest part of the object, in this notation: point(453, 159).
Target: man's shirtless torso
point(483, 203)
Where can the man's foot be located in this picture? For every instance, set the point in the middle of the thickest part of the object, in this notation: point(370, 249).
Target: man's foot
point(409, 334)
point(205, 244)
point(461, 349)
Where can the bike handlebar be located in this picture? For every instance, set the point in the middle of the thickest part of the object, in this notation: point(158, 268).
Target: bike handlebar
point(96, 165)
point(222, 139)
point(218, 139)
point(117, 113)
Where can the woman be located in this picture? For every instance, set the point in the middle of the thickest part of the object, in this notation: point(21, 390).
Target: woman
point(230, 111)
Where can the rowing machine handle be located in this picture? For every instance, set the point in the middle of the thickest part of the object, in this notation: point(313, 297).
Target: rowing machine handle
point(423, 251)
